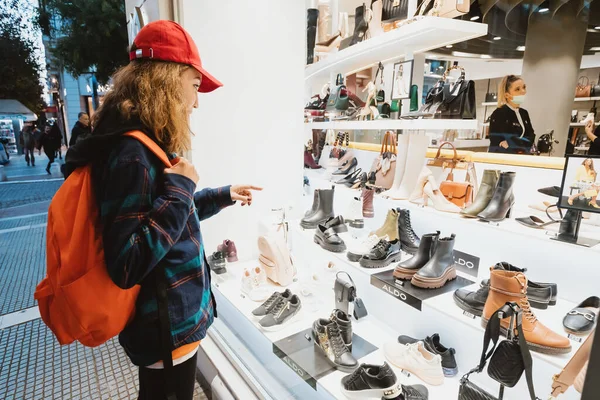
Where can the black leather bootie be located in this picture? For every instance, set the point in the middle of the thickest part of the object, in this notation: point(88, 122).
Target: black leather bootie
point(312, 17)
point(323, 212)
point(408, 238)
point(502, 201)
point(440, 268)
point(406, 269)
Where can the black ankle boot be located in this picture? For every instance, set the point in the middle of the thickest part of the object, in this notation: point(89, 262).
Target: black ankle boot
point(323, 212)
point(440, 268)
point(408, 238)
point(406, 269)
point(360, 25)
point(315, 204)
point(502, 199)
point(311, 33)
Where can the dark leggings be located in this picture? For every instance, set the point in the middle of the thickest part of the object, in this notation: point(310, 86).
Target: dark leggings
point(152, 381)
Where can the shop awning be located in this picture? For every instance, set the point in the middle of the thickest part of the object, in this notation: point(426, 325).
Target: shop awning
point(13, 109)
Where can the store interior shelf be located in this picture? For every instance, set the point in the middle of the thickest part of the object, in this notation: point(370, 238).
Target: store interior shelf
point(587, 98)
point(489, 103)
point(576, 124)
point(422, 35)
point(380, 124)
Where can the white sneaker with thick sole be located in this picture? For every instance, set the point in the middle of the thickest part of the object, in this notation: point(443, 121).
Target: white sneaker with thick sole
point(359, 249)
point(254, 284)
point(416, 359)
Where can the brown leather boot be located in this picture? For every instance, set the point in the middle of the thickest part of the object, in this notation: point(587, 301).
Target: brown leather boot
point(511, 286)
point(367, 208)
point(390, 226)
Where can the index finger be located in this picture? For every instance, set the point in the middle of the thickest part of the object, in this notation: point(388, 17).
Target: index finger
point(251, 187)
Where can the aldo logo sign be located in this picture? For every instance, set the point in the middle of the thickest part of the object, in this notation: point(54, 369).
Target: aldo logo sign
point(466, 263)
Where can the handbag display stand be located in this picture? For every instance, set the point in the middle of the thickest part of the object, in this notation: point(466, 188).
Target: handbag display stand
point(507, 359)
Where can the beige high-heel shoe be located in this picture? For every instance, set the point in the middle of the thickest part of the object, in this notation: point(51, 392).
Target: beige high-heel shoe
point(375, 27)
point(329, 45)
point(440, 203)
point(417, 193)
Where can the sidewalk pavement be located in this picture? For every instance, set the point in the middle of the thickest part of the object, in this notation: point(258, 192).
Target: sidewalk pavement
point(32, 363)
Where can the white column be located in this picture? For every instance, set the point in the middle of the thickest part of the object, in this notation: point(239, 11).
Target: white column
point(250, 130)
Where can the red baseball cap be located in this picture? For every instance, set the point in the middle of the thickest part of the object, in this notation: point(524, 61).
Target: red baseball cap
point(168, 41)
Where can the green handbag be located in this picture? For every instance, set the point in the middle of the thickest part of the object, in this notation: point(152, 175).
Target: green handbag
point(338, 98)
point(414, 98)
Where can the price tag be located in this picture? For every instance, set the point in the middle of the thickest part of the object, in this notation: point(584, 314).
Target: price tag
point(468, 314)
point(405, 373)
point(574, 338)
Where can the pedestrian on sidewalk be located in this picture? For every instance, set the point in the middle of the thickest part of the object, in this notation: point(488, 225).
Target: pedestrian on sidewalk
point(81, 129)
point(28, 143)
point(48, 142)
point(150, 215)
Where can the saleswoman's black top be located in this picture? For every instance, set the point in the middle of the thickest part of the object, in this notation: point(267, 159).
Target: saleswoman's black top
point(505, 125)
point(595, 145)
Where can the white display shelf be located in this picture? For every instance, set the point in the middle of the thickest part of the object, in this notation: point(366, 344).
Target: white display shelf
point(489, 103)
point(576, 124)
point(370, 328)
point(419, 36)
point(382, 124)
point(587, 98)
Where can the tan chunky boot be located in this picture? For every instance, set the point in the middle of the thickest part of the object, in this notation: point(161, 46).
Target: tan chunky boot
point(510, 286)
point(390, 226)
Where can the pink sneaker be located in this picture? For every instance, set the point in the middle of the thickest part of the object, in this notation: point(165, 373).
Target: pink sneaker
point(228, 247)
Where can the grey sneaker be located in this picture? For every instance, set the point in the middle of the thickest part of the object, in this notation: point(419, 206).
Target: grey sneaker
point(328, 338)
point(283, 311)
point(265, 307)
point(413, 392)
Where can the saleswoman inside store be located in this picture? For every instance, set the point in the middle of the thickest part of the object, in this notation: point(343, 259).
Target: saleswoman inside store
point(510, 126)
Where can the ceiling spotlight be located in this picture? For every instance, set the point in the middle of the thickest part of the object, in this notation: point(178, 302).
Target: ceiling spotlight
point(485, 56)
point(543, 10)
point(594, 48)
point(497, 38)
point(449, 46)
point(597, 27)
point(475, 18)
point(521, 48)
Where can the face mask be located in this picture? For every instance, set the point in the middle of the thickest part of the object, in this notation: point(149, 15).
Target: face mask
point(518, 100)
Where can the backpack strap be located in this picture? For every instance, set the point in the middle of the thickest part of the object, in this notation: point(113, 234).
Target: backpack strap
point(561, 382)
point(151, 145)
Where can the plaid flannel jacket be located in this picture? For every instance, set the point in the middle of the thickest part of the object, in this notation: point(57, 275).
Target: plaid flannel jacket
point(151, 221)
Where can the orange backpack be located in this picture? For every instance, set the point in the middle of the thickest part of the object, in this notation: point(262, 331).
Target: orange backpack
point(77, 299)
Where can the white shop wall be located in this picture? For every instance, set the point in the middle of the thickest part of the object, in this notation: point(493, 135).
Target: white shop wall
point(250, 130)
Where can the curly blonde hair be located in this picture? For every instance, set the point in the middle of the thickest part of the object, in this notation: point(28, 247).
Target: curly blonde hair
point(152, 92)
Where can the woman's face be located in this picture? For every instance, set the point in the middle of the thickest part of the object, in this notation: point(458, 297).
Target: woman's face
point(190, 80)
point(517, 88)
point(588, 163)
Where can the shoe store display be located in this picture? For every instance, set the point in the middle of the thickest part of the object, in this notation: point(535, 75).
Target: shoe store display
point(344, 323)
point(432, 344)
point(484, 194)
point(409, 241)
point(283, 311)
point(440, 268)
point(347, 168)
point(472, 301)
point(350, 179)
point(323, 210)
point(389, 227)
point(371, 381)
point(511, 286)
point(417, 360)
point(328, 338)
point(327, 237)
point(581, 320)
point(359, 249)
point(383, 254)
point(217, 262)
point(265, 307)
point(502, 200)
point(309, 161)
point(354, 215)
point(408, 268)
point(228, 247)
point(253, 284)
point(312, 17)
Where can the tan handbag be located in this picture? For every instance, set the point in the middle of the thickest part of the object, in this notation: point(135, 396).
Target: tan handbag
point(574, 372)
point(384, 165)
point(584, 89)
point(459, 193)
point(454, 170)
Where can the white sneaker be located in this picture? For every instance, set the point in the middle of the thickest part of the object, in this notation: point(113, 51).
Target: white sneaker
point(358, 249)
point(415, 359)
point(253, 284)
point(354, 214)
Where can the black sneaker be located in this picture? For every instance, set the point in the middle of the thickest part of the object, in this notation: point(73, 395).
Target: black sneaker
point(472, 301)
point(283, 311)
point(383, 254)
point(432, 343)
point(328, 339)
point(345, 324)
point(370, 381)
point(265, 307)
point(412, 392)
point(217, 262)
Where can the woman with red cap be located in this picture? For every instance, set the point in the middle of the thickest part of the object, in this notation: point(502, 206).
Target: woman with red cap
point(150, 215)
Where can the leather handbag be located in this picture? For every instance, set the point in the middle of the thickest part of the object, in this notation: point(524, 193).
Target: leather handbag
point(446, 169)
point(458, 99)
point(338, 98)
point(507, 361)
point(459, 193)
point(491, 97)
point(574, 372)
point(595, 91)
point(384, 165)
point(394, 10)
point(583, 89)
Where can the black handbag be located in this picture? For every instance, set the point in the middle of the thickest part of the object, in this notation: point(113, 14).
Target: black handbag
point(491, 97)
point(458, 99)
point(508, 360)
point(595, 92)
point(394, 10)
point(345, 293)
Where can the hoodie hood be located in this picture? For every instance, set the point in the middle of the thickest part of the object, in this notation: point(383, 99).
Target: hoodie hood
point(103, 139)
